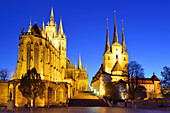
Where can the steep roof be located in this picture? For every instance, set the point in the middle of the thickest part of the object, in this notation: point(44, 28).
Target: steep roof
point(117, 67)
point(69, 64)
point(155, 78)
point(36, 30)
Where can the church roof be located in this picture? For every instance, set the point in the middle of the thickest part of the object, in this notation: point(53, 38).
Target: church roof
point(155, 78)
point(36, 30)
point(69, 64)
point(117, 67)
point(116, 44)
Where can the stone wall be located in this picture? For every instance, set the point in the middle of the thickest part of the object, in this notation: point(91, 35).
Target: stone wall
point(3, 94)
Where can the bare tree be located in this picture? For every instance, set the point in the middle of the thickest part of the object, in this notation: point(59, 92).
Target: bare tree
point(4, 74)
point(165, 82)
point(135, 71)
point(32, 86)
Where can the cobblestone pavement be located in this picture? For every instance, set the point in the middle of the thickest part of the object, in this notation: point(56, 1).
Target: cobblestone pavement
point(85, 110)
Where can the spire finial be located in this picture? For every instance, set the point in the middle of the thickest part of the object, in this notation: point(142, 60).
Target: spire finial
point(29, 30)
point(52, 16)
point(60, 32)
point(115, 37)
point(80, 64)
point(86, 67)
point(107, 47)
point(123, 40)
point(30, 20)
point(52, 13)
point(75, 65)
point(43, 24)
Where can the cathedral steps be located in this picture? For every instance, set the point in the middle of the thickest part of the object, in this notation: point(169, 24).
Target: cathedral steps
point(87, 103)
point(86, 99)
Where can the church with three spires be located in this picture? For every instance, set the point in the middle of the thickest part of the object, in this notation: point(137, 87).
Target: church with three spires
point(114, 70)
point(45, 50)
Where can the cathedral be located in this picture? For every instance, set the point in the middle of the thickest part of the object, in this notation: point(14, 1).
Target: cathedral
point(45, 50)
point(115, 58)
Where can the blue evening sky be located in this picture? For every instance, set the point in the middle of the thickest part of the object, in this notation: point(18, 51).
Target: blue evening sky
point(146, 27)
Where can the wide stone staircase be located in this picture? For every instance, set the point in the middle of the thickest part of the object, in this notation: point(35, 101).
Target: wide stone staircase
point(86, 99)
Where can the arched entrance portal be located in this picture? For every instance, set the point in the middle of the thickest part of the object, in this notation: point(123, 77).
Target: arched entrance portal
point(59, 94)
point(11, 88)
point(49, 94)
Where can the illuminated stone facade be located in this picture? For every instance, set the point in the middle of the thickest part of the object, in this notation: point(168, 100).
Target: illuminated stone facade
point(45, 49)
point(115, 58)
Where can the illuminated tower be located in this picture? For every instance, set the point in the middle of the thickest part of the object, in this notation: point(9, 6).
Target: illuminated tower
point(51, 28)
point(115, 57)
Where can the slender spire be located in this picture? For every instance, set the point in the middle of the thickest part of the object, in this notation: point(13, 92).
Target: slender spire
point(23, 29)
point(123, 40)
point(75, 65)
point(86, 67)
point(107, 47)
point(60, 32)
point(29, 30)
point(115, 38)
point(43, 25)
point(80, 64)
point(52, 16)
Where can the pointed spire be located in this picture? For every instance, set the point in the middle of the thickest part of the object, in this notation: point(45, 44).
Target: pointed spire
point(23, 31)
point(29, 30)
point(80, 65)
point(86, 67)
point(52, 16)
point(107, 47)
point(75, 65)
point(123, 40)
point(52, 13)
point(60, 32)
point(43, 25)
point(115, 38)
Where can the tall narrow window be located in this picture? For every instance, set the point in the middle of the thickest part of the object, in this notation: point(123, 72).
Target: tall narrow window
point(28, 55)
point(116, 56)
point(108, 57)
point(36, 56)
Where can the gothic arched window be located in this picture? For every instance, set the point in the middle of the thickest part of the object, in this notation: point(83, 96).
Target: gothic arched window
point(36, 55)
point(28, 55)
point(116, 56)
point(108, 57)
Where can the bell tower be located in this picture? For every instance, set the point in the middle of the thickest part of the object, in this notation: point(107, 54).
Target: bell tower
point(61, 42)
point(51, 28)
point(115, 56)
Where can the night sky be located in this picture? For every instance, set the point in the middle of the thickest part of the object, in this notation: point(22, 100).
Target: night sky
point(146, 27)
